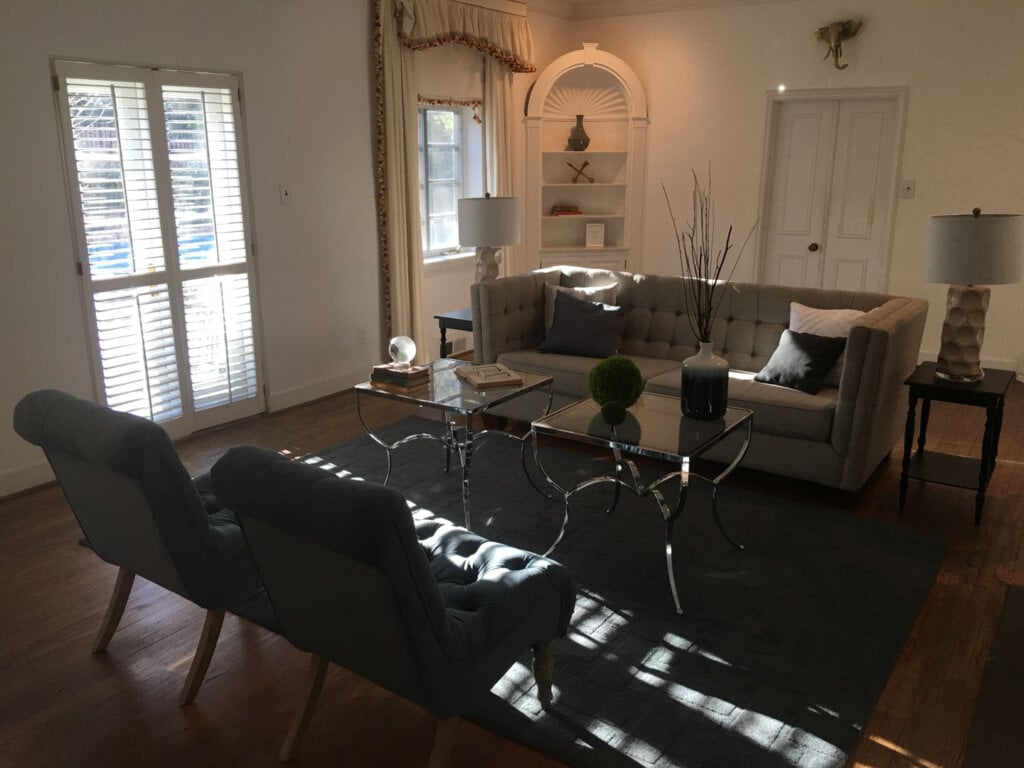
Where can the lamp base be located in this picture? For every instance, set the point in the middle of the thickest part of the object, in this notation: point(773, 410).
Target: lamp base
point(963, 330)
point(960, 379)
point(487, 260)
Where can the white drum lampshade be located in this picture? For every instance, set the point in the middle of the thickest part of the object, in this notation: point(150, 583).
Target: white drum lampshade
point(970, 252)
point(488, 223)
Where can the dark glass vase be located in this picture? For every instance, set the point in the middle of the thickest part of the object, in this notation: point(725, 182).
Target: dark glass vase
point(578, 139)
point(704, 390)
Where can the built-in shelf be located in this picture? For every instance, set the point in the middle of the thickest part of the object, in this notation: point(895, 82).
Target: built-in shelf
point(584, 216)
point(585, 154)
point(603, 89)
point(576, 249)
point(595, 185)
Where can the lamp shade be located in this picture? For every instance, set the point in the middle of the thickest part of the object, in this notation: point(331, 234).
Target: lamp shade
point(488, 221)
point(979, 249)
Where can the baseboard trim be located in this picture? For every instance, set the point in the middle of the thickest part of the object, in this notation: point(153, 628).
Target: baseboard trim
point(15, 481)
point(278, 400)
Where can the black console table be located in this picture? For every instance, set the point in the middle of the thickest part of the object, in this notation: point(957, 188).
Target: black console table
point(957, 471)
point(457, 319)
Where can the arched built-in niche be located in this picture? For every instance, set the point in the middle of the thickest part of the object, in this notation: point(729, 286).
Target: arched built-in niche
point(603, 89)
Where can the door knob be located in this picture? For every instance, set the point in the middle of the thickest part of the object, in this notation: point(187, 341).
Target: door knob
point(812, 247)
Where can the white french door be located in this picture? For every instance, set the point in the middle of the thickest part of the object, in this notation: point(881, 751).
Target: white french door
point(158, 199)
point(829, 204)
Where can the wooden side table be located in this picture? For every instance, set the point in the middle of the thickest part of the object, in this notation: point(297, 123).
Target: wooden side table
point(944, 468)
point(457, 319)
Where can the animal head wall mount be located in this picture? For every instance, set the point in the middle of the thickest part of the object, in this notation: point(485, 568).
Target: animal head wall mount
point(834, 34)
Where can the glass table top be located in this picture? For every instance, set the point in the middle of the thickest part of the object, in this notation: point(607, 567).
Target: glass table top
point(654, 427)
point(444, 390)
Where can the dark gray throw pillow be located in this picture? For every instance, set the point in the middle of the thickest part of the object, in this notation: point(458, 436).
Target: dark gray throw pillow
point(586, 328)
point(801, 361)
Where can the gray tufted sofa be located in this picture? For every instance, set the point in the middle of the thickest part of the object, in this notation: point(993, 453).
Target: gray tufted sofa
point(836, 437)
point(422, 607)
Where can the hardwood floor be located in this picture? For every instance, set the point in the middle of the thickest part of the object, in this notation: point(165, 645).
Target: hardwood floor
point(61, 706)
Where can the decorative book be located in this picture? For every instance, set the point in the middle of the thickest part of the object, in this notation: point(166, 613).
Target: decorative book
point(484, 376)
point(401, 389)
point(405, 375)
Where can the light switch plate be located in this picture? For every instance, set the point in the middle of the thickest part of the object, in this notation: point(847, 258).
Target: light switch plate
point(284, 191)
point(908, 187)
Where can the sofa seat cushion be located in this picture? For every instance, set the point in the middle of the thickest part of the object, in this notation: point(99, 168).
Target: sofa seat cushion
point(570, 372)
point(777, 410)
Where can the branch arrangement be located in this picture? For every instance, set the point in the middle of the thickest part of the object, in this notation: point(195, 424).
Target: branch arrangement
point(698, 260)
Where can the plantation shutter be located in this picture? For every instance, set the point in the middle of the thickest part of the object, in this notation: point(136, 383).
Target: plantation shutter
point(158, 193)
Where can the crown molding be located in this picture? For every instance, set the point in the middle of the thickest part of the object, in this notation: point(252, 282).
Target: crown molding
point(563, 9)
point(599, 9)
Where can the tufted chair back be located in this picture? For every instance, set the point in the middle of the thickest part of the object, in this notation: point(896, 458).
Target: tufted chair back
point(423, 608)
point(134, 501)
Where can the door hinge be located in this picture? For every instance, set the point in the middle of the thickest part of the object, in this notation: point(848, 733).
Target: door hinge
point(266, 392)
point(56, 83)
point(239, 91)
point(78, 268)
point(252, 247)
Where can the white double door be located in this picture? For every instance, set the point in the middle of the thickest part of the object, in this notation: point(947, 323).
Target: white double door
point(830, 193)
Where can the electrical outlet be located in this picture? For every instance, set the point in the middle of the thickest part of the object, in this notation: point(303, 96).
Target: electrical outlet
point(908, 188)
point(361, 337)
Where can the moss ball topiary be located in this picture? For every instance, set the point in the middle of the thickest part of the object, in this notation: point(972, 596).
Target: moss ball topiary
point(615, 379)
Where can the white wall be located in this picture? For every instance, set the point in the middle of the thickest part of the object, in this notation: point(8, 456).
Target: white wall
point(306, 68)
point(707, 74)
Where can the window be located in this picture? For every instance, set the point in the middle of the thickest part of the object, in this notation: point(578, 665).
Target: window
point(451, 167)
point(158, 201)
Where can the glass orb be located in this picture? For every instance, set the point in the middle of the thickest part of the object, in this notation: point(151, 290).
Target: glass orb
point(402, 350)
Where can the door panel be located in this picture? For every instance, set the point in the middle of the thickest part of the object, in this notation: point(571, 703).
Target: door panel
point(804, 143)
point(850, 274)
point(861, 195)
point(831, 177)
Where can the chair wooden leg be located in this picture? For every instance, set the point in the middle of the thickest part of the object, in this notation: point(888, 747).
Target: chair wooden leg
point(543, 672)
point(118, 600)
point(444, 741)
point(315, 673)
point(204, 653)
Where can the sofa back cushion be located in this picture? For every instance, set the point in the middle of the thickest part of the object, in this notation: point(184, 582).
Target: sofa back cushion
point(750, 319)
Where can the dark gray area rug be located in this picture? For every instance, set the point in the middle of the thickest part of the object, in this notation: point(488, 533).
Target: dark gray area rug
point(781, 653)
point(996, 739)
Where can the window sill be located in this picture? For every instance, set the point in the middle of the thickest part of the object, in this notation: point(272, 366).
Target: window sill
point(455, 262)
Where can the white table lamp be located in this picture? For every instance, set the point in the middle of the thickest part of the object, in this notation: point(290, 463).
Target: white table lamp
point(971, 252)
point(488, 223)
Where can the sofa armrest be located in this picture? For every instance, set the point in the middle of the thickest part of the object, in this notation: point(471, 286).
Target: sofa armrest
point(508, 313)
point(881, 352)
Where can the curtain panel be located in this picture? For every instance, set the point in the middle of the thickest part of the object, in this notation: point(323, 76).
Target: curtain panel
point(502, 36)
point(398, 200)
point(401, 26)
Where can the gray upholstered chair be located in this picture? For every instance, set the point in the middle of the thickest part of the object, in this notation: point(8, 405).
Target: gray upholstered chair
point(423, 608)
point(140, 511)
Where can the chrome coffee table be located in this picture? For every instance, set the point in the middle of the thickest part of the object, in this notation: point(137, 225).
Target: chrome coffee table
point(454, 398)
point(655, 429)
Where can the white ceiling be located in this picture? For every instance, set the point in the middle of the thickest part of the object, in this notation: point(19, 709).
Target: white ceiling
point(594, 9)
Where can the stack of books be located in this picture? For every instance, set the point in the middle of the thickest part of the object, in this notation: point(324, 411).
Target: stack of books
point(399, 378)
point(565, 209)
